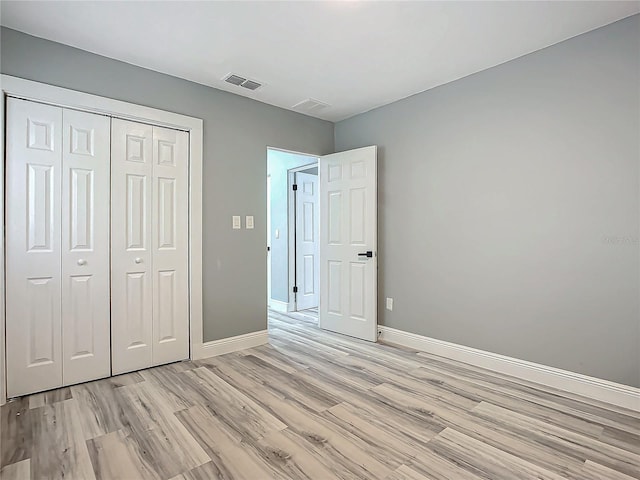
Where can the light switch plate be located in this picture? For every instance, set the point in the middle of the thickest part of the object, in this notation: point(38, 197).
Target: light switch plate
point(277, 233)
point(249, 222)
point(236, 222)
point(389, 303)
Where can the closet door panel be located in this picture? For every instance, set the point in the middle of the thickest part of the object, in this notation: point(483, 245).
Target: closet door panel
point(170, 245)
point(33, 265)
point(85, 247)
point(131, 249)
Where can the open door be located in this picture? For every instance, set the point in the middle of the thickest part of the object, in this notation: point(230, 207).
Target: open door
point(307, 259)
point(348, 243)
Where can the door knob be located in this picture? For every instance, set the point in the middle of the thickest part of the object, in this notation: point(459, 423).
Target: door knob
point(367, 254)
point(82, 262)
point(138, 260)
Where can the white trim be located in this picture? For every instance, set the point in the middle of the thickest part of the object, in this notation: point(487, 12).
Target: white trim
point(43, 93)
point(3, 391)
point(595, 388)
point(233, 344)
point(282, 307)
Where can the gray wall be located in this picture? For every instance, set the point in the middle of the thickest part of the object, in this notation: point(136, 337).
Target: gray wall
point(509, 206)
point(237, 132)
point(278, 163)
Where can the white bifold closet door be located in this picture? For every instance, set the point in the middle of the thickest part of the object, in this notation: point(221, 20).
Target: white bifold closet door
point(57, 228)
point(149, 242)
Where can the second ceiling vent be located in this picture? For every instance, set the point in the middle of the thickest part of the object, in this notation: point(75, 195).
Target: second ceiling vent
point(239, 81)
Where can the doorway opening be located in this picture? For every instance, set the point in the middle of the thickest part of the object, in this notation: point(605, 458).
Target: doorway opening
point(322, 247)
point(292, 234)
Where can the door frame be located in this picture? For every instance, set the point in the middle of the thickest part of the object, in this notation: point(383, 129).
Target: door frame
point(66, 98)
point(291, 227)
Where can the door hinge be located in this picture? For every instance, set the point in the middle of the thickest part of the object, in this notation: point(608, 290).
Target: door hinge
point(295, 289)
point(295, 187)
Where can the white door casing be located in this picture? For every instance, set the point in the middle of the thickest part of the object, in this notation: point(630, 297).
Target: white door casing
point(170, 243)
point(33, 237)
point(86, 348)
point(348, 230)
point(307, 242)
point(131, 246)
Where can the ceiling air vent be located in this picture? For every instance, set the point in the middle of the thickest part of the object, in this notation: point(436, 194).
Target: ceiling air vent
point(251, 85)
point(239, 81)
point(310, 105)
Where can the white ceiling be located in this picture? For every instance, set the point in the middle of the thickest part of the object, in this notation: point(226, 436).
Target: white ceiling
point(353, 55)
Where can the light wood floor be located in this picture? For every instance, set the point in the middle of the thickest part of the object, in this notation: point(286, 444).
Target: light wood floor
point(316, 405)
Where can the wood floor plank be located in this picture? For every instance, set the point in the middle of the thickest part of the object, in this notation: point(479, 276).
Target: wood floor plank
point(394, 443)
point(100, 407)
point(115, 456)
point(618, 416)
point(208, 471)
point(489, 462)
point(288, 448)
point(595, 471)
point(568, 441)
point(15, 429)
point(240, 412)
point(512, 439)
point(479, 393)
point(157, 431)
point(52, 396)
point(315, 404)
point(431, 466)
point(329, 439)
point(404, 472)
point(16, 471)
point(59, 450)
point(226, 453)
point(552, 400)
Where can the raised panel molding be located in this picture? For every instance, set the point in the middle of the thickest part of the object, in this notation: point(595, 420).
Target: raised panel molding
point(309, 275)
point(135, 310)
point(136, 211)
point(82, 316)
point(81, 197)
point(166, 213)
point(358, 206)
point(135, 149)
point(335, 172)
point(307, 219)
point(334, 303)
point(166, 153)
point(358, 170)
point(40, 193)
point(166, 306)
point(335, 218)
point(40, 135)
point(82, 141)
point(357, 290)
point(41, 321)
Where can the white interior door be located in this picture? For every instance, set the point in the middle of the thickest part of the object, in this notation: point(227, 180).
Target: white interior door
point(307, 242)
point(170, 243)
point(86, 348)
point(131, 268)
point(348, 243)
point(33, 264)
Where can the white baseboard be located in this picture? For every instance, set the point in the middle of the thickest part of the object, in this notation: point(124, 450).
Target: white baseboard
point(279, 306)
point(232, 344)
point(596, 388)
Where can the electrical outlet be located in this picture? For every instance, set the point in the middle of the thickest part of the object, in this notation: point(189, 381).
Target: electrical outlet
point(389, 303)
